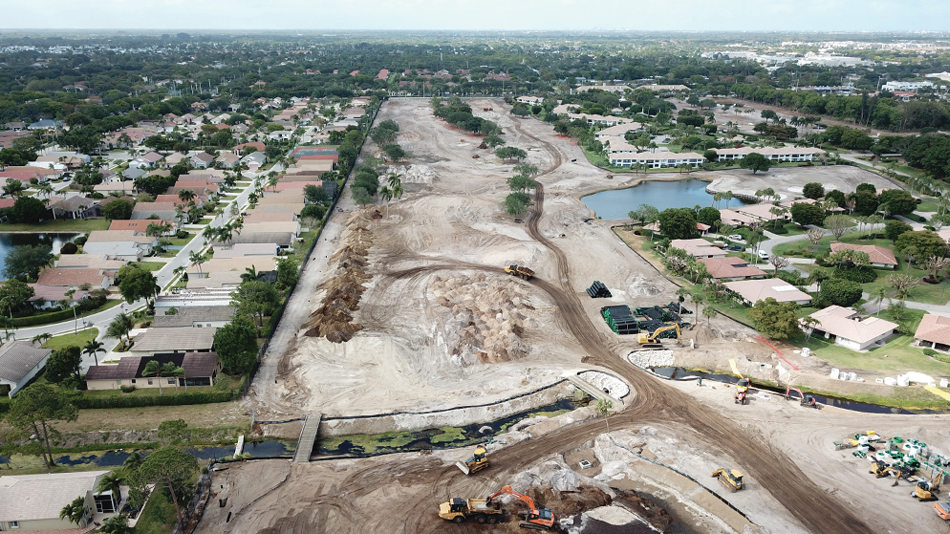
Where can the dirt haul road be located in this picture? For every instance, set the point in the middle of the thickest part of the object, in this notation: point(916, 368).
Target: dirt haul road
point(442, 239)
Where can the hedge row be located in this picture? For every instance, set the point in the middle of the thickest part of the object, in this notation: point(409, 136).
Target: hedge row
point(177, 399)
point(45, 318)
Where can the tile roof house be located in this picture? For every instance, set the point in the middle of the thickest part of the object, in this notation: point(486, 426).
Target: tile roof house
point(75, 207)
point(753, 291)
point(45, 297)
point(846, 328)
point(244, 250)
point(201, 160)
point(89, 261)
point(75, 277)
point(731, 269)
point(880, 256)
point(20, 361)
point(163, 210)
point(698, 248)
point(254, 160)
point(129, 245)
point(32, 503)
point(141, 225)
point(254, 216)
point(173, 340)
point(146, 160)
point(195, 317)
point(933, 332)
point(201, 369)
point(228, 160)
point(238, 264)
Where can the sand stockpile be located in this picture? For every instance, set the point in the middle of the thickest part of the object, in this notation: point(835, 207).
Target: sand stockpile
point(483, 317)
point(415, 174)
point(334, 318)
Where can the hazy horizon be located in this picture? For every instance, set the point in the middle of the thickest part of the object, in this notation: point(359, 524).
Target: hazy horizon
point(483, 15)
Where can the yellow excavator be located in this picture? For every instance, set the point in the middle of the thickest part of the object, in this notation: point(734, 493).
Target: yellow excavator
point(653, 340)
point(730, 478)
point(881, 470)
point(926, 490)
point(476, 463)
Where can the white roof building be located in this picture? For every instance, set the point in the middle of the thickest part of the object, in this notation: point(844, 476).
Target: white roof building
point(753, 291)
point(846, 328)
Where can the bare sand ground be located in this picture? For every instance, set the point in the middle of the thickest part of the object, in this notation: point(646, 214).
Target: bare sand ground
point(436, 255)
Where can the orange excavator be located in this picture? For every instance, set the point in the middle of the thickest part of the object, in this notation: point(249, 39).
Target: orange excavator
point(536, 518)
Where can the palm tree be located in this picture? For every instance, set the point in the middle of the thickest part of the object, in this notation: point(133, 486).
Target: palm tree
point(120, 326)
point(397, 191)
point(249, 274)
point(132, 462)
point(93, 347)
point(603, 407)
point(186, 195)
point(110, 482)
point(41, 339)
point(709, 312)
point(75, 511)
point(153, 368)
point(386, 194)
point(879, 297)
point(196, 259)
point(117, 524)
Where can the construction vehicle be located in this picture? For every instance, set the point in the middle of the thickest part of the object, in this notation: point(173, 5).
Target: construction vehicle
point(520, 270)
point(476, 463)
point(742, 391)
point(653, 340)
point(926, 490)
point(881, 470)
point(458, 510)
point(943, 510)
point(536, 518)
point(805, 399)
point(730, 478)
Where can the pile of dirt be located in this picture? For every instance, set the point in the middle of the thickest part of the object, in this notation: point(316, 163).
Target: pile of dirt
point(414, 174)
point(703, 335)
point(645, 507)
point(483, 317)
point(568, 503)
point(334, 318)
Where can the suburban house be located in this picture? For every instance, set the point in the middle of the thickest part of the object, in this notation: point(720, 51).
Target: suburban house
point(933, 332)
point(242, 149)
point(734, 218)
point(530, 100)
point(45, 297)
point(162, 210)
point(75, 207)
point(89, 261)
point(846, 328)
point(141, 225)
point(619, 131)
point(260, 264)
point(880, 256)
point(731, 269)
point(173, 340)
point(246, 250)
point(698, 248)
point(655, 227)
point(147, 160)
point(126, 187)
point(195, 317)
point(20, 361)
point(174, 159)
point(658, 160)
point(785, 153)
point(199, 188)
point(129, 245)
point(75, 277)
point(254, 160)
point(762, 211)
point(201, 160)
point(752, 291)
point(228, 280)
point(254, 216)
point(228, 160)
point(201, 369)
point(32, 503)
point(133, 173)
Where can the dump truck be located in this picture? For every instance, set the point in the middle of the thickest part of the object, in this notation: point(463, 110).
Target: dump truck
point(476, 463)
point(520, 270)
point(458, 510)
point(729, 478)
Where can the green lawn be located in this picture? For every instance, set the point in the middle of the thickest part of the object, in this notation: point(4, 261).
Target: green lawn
point(925, 293)
point(791, 229)
point(68, 340)
point(228, 198)
point(150, 266)
point(60, 225)
point(927, 206)
point(158, 515)
point(901, 357)
point(205, 221)
point(181, 242)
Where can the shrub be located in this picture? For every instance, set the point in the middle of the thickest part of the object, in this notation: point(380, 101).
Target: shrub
point(840, 292)
point(69, 248)
point(861, 274)
point(930, 352)
point(176, 399)
point(941, 358)
point(779, 230)
point(127, 389)
point(45, 318)
point(181, 234)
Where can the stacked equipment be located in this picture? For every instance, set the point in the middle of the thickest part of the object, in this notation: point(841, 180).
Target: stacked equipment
point(598, 290)
point(620, 319)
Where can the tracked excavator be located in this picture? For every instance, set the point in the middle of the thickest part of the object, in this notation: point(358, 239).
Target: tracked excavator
point(926, 490)
point(476, 463)
point(536, 518)
point(653, 340)
point(881, 470)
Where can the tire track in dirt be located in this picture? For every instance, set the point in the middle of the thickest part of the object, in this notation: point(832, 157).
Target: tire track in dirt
point(657, 402)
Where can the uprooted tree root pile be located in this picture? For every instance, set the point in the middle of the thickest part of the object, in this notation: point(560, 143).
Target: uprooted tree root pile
point(334, 318)
point(483, 317)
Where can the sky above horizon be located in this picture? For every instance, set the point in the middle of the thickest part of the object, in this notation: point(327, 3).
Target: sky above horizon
point(578, 15)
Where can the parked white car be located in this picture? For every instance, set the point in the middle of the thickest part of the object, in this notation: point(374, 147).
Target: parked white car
point(735, 237)
point(763, 255)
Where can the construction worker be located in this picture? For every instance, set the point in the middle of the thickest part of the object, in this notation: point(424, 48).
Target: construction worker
point(699, 381)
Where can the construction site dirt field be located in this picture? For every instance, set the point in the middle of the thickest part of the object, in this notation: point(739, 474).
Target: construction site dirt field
point(430, 320)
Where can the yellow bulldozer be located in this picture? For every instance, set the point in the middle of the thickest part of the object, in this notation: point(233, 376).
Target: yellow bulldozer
point(476, 463)
point(646, 339)
point(729, 478)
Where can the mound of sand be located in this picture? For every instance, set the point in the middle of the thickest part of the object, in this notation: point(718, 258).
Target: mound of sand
point(483, 318)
